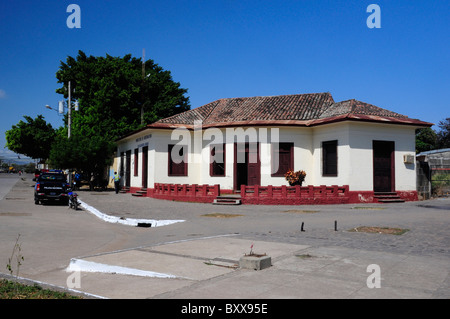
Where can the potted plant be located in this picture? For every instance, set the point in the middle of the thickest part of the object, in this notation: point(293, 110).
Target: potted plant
point(295, 178)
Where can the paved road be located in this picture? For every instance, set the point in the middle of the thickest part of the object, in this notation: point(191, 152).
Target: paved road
point(201, 252)
point(7, 182)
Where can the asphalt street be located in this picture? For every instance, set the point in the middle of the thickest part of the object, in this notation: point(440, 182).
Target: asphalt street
point(199, 257)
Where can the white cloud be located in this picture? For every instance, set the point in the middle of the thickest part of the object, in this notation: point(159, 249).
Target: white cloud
point(2, 94)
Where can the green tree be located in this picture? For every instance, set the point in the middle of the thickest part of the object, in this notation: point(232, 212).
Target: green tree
point(426, 139)
point(87, 154)
point(115, 97)
point(111, 91)
point(31, 138)
point(443, 136)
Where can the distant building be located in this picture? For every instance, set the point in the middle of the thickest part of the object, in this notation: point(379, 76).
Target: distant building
point(351, 151)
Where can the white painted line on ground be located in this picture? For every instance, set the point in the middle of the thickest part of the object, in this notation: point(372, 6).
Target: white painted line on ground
point(90, 266)
point(126, 221)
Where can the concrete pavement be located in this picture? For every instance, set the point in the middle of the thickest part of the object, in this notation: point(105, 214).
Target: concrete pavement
point(198, 258)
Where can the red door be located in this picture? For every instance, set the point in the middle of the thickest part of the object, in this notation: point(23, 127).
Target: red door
point(144, 166)
point(253, 165)
point(383, 166)
point(247, 165)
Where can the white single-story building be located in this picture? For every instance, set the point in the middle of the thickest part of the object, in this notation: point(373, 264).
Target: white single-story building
point(351, 151)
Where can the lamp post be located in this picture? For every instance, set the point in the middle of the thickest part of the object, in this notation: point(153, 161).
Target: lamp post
point(69, 116)
point(69, 110)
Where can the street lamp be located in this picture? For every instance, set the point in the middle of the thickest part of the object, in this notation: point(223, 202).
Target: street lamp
point(69, 116)
point(69, 110)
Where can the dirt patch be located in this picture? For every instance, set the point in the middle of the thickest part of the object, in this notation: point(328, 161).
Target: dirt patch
point(221, 215)
point(369, 208)
point(15, 214)
point(379, 230)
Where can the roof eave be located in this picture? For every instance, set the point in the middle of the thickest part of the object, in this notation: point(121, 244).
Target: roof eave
point(371, 118)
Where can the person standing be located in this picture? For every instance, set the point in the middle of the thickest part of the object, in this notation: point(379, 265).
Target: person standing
point(116, 182)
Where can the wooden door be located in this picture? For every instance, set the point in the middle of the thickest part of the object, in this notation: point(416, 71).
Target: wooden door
point(253, 165)
point(247, 165)
point(383, 166)
point(128, 168)
point(144, 166)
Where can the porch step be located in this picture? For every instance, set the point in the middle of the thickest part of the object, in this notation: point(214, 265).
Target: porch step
point(140, 193)
point(227, 200)
point(388, 197)
point(137, 194)
point(124, 190)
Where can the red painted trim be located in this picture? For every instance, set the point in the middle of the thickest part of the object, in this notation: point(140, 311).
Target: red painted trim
point(269, 195)
point(409, 196)
point(185, 193)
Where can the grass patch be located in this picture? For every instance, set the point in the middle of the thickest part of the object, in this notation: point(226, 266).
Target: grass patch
point(304, 256)
point(300, 211)
point(13, 290)
point(379, 230)
point(369, 208)
point(221, 215)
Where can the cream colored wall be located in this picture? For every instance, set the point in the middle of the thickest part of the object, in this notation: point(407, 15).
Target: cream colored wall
point(362, 135)
point(355, 155)
point(339, 132)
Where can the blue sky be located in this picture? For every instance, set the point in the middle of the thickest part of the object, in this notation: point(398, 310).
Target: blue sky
point(228, 48)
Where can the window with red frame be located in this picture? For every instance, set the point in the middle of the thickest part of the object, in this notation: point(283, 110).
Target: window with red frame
point(175, 168)
point(217, 160)
point(284, 154)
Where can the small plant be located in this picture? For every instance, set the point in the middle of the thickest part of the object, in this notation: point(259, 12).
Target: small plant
point(253, 254)
point(16, 254)
point(295, 178)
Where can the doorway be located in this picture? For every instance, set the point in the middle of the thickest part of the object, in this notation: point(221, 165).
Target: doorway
point(383, 166)
point(128, 168)
point(144, 166)
point(247, 165)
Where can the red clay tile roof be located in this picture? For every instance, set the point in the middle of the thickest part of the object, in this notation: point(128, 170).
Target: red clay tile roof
point(299, 109)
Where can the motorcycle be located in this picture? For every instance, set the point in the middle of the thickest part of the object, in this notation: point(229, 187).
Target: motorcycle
point(73, 200)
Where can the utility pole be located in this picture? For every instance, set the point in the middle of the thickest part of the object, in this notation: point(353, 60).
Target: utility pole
point(69, 112)
point(143, 79)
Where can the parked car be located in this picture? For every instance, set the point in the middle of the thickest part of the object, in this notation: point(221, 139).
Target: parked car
point(37, 173)
point(51, 186)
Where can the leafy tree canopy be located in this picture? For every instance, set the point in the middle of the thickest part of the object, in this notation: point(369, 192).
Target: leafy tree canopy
point(444, 133)
point(112, 90)
point(426, 139)
point(111, 93)
point(31, 138)
point(88, 154)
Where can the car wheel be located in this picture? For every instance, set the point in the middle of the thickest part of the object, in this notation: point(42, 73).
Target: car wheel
point(36, 202)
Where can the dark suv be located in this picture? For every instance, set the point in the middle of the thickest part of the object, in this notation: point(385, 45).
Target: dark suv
point(51, 186)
